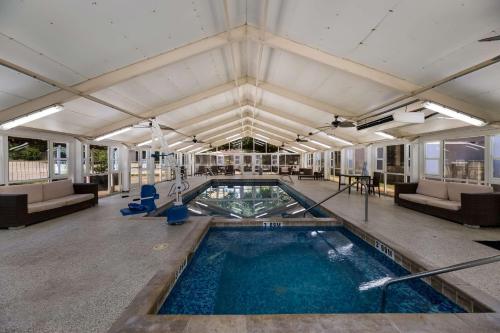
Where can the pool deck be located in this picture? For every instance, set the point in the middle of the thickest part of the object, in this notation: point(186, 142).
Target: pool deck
point(78, 273)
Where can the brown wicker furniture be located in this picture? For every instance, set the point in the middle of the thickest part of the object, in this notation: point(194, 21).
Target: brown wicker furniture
point(472, 205)
point(22, 205)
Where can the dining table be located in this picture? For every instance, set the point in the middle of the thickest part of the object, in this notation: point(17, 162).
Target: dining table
point(357, 177)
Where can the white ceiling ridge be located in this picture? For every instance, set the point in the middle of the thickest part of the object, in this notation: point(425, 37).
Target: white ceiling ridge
point(125, 73)
point(360, 70)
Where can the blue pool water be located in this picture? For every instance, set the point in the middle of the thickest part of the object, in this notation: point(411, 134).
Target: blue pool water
point(293, 270)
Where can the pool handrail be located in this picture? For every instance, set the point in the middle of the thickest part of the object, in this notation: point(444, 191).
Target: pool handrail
point(447, 269)
point(340, 191)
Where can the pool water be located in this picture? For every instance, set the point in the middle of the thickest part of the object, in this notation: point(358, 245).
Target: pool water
point(244, 201)
point(293, 270)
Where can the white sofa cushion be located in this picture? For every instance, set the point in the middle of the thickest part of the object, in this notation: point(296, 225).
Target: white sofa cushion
point(455, 190)
point(433, 188)
point(445, 204)
point(418, 198)
point(58, 189)
point(77, 198)
point(34, 191)
point(46, 205)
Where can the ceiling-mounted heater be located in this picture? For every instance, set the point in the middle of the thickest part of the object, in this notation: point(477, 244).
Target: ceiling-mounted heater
point(375, 122)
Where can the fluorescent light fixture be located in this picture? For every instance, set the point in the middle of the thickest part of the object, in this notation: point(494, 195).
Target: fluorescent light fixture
point(192, 151)
point(109, 135)
point(32, 116)
point(340, 140)
point(385, 135)
point(232, 136)
point(234, 215)
point(298, 211)
point(320, 144)
point(194, 210)
point(291, 150)
point(262, 136)
point(292, 204)
point(260, 215)
point(303, 145)
point(302, 150)
point(201, 152)
point(201, 204)
point(144, 143)
point(185, 147)
point(454, 114)
point(175, 144)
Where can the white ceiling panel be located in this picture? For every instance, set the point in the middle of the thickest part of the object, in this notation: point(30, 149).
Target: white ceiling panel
point(327, 84)
point(423, 41)
point(94, 37)
point(79, 116)
point(479, 88)
point(16, 88)
point(335, 26)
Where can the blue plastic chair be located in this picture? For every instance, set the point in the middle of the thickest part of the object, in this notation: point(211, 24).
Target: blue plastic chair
point(148, 197)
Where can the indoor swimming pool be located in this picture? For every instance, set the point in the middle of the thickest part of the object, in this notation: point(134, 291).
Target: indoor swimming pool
point(292, 270)
point(239, 199)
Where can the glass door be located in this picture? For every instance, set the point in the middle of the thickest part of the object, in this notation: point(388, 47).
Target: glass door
point(247, 164)
point(257, 163)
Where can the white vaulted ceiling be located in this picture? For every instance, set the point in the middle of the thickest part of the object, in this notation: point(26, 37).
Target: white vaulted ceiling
point(309, 61)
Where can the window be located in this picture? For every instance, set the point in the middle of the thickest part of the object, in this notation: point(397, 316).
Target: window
point(60, 158)
point(350, 160)
point(359, 160)
point(464, 159)
point(380, 159)
point(496, 156)
point(431, 158)
point(396, 159)
point(28, 159)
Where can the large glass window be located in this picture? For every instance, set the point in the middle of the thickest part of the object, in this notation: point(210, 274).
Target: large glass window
point(350, 160)
point(99, 168)
point(395, 159)
point(60, 159)
point(28, 159)
point(359, 160)
point(431, 158)
point(464, 159)
point(496, 156)
point(380, 159)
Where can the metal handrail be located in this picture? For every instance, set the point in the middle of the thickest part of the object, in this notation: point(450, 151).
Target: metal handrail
point(452, 268)
point(342, 190)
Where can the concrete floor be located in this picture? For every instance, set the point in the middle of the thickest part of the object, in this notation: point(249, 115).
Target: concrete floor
point(77, 273)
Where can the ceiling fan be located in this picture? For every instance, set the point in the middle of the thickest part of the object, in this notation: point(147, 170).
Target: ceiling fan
point(149, 124)
point(299, 139)
point(338, 123)
point(194, 140)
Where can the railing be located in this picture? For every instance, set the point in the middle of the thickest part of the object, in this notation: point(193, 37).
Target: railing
point(452, 268)
point(363, 185)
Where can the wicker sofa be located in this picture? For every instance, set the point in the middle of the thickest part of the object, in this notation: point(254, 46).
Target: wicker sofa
point(22, 205)
point(472, 205)
point(306, 173)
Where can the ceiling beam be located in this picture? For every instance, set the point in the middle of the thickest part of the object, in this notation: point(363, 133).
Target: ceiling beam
point(166, 108)
point(310, 126)
point(125, 73)
point(296, 97)
point(360, 70)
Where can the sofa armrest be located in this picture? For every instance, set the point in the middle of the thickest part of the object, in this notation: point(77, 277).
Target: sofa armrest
point(399, 188)
point(481, 209)
point(82, 188)
point(14, 210)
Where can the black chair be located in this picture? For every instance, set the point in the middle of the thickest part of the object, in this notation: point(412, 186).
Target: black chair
point(374, 183)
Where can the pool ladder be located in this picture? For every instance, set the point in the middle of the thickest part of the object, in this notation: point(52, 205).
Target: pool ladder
point(452, 268)
point(342, 190)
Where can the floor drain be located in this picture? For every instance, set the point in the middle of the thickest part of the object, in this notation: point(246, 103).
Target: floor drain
point(161, 246)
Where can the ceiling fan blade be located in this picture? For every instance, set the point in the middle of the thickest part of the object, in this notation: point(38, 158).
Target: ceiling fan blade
point(490, 39)
point(166, 128)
